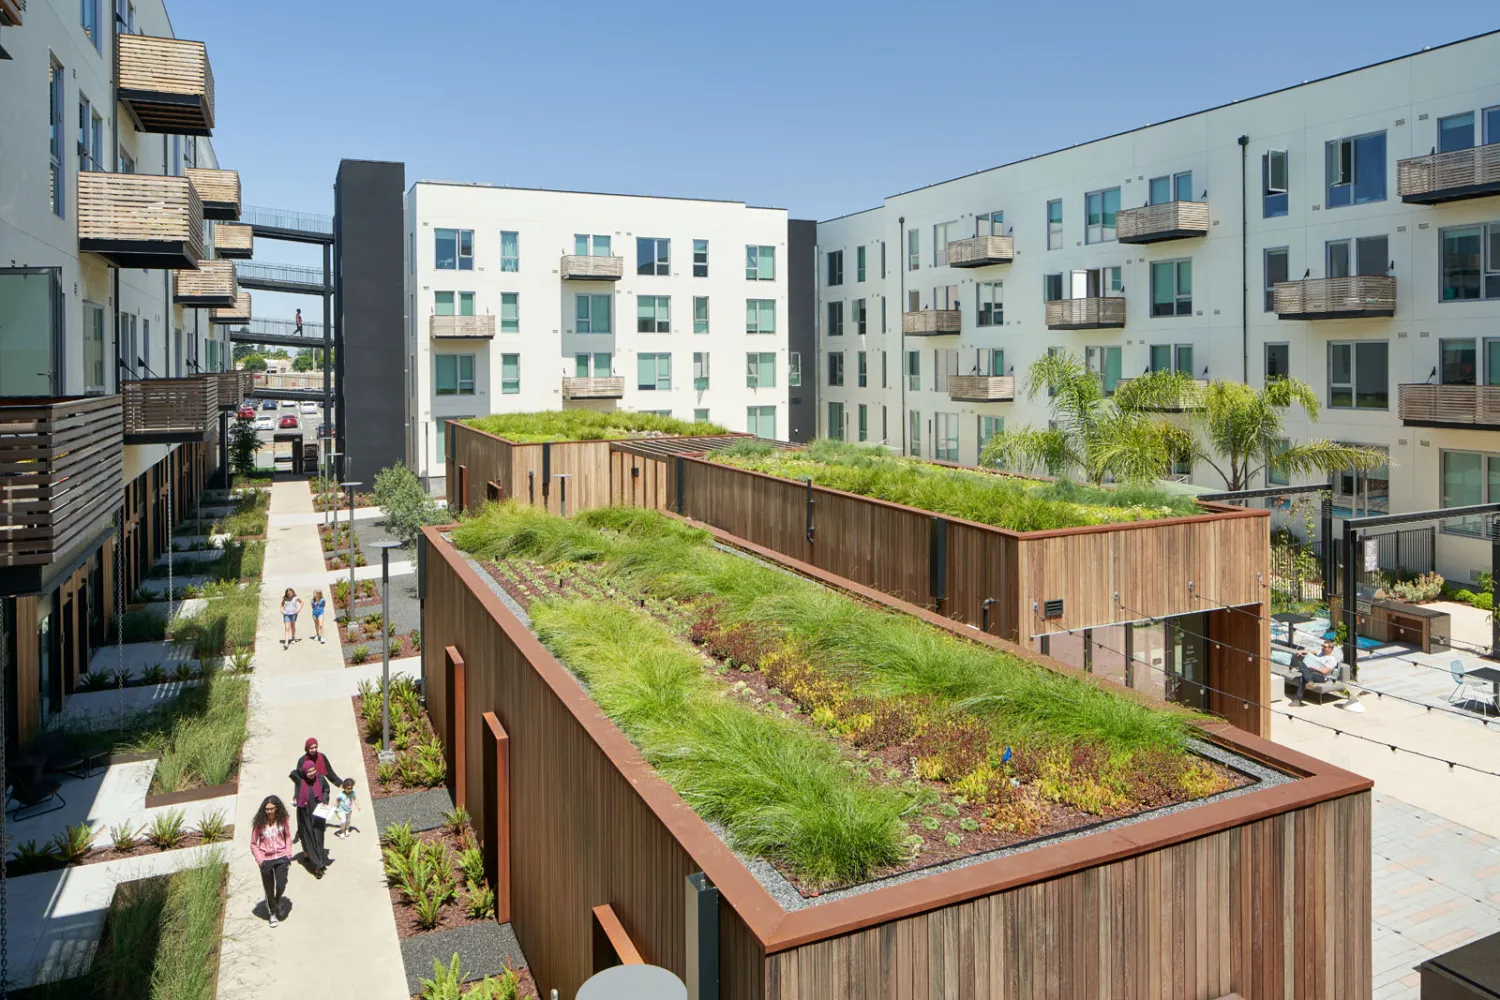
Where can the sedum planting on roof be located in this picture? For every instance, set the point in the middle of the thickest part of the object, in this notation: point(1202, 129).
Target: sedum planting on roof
point(585, 425)
point(1010, 502)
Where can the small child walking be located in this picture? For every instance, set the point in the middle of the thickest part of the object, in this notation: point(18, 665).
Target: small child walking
point(344, 807)
point(318, 607)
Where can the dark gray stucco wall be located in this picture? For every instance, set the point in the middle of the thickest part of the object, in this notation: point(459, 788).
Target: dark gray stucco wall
point(802, 327)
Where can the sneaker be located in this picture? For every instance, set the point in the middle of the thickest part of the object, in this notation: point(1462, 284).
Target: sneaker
point(273, 920)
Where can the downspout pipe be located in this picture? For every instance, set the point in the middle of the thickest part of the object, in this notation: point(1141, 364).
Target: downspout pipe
point(1244, 142)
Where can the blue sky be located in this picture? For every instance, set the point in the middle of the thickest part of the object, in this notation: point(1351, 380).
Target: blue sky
point(820, 108)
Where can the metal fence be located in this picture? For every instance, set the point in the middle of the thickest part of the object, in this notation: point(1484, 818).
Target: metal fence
point(278, 218)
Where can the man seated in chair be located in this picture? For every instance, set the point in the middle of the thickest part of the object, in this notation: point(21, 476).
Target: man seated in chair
point(1313, 669)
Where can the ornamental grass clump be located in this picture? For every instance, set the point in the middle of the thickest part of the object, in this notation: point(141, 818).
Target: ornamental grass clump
point(585, 425)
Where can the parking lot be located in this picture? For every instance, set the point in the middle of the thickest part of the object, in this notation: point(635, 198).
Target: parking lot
point(308, 417)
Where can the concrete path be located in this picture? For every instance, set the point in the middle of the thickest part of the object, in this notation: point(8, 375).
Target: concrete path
point(340, 938)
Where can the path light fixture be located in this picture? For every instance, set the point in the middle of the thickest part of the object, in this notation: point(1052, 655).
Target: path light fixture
point(386, 753)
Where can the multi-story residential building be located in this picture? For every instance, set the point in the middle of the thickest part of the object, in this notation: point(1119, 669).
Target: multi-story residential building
point(1346, 231)
point(521, 300)
point(108, 275)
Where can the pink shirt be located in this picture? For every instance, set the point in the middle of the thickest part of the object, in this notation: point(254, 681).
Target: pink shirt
point(274, 842)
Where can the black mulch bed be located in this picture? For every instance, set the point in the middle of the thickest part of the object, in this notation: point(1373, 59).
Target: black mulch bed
point(423, 810)
point(484, 949)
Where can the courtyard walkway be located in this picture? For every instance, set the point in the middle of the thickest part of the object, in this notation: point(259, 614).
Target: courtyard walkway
point(340, 936)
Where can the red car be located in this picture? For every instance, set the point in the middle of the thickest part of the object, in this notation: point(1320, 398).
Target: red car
point(247, 413)
point(288, 421)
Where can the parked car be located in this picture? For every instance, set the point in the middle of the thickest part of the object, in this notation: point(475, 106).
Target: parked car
point(309, 407)
point(265, 423)
point(289, 421)
point(247, 413)
point(288, 403)
point(325, 431)
point(269, 404)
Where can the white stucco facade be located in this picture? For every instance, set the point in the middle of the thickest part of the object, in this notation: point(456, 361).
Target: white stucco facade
point(503, 248)
point(1226, 327)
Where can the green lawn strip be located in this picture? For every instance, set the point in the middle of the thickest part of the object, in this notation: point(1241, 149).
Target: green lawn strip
point(584, 425)
point(1006, 502)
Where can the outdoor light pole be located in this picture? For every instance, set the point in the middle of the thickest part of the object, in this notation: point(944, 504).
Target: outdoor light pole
point(386, 754)
point(350, 487)
point(563, 478)
point(328, 474)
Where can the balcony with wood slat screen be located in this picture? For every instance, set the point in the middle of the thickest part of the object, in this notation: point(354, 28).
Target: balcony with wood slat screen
point(231, 387)
point(1451, 176)
point(220, 191)
point(140, 220)
point(981, 251)
point(593, 388)
point(11, 11)
point(233, 241)
point(1191, 398)
point(981, 388)
point(235, 315)
point(1335, 298)
point(61, 474)
point(580, 268)
point(1424, 405)
point(1172, 220)
point(1086, 314)
point(166, 410)
point(461, 327)
point(931, 322)
point(166, 84)
point(212, 285)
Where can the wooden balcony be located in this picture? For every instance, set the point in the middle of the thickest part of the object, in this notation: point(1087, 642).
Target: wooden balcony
point(220, 191)
point(140, 220)
point(931, 322)
point(576, 268)
point(593, 388)
point(61, 475)
point(166, 84)
point(1086, 314)
point(461, 327)
point(981, 388)
point(170, 410)
point(1336, 298)
point(233, 241)
point(212, 285)
point(1192, 399)
point(1425, 405)
point(1450, 176)
point(981, 251)
point(10, 13)
point(1172, 220)
point(235, 315)
point(232, 387)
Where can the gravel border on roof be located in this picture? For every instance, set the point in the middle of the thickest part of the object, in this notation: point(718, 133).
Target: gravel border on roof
point(483, 949)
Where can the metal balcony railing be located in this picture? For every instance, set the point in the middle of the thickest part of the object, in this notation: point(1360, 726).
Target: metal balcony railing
point(280, 277)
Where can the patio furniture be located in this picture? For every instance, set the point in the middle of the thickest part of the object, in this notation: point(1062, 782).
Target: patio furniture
point(1282, 660)
point(62, 758)
point(31, 790)
point(1396, 621)
point(1490, 674)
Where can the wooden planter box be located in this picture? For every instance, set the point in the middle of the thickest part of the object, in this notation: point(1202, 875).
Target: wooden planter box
point(166, 84)
point(140, 220)
point(1249, 894)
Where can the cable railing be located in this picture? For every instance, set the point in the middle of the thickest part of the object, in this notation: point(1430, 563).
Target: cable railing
point(251, 273)
point(280, 218)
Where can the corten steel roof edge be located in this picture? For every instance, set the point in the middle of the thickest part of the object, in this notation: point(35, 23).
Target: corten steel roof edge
point(623, 440)
point(779, 930)
point(1220, 512)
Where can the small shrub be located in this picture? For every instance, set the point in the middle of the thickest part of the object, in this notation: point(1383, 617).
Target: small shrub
point(456, 819)
point(428, 908)
point(360, 654)
point(398, 837)
point(93, 681)
point(471, 862)
point(154, 674)
point(968, 824)
point(126, 836)
point(479, 901)
point(213, 827)
point(385, 773)
point(240, 659)
point(1424, 588)
point(183, 672)
point(506, 986)
point(73, 844)
point(28, 857)
point(446, 981)
point(166, 830)
point(952, 839)
point(415, 638)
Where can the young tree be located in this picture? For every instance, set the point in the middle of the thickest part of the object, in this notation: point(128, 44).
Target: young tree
point(242, 447)
point(304, 362)
point(253, 363)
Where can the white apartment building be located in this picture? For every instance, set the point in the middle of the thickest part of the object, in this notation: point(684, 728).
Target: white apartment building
point(1380, 187)
point(520, 300)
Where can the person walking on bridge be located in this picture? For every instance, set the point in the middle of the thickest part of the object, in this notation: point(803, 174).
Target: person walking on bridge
point(299, 322)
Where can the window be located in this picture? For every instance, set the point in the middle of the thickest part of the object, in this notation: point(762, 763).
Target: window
point(1274, 268)
point(1182, 358)
point(914, 427)
point(93, 347)
point(988, 428)
point(510, 251)
point(1160, 358)
point(761, 421)
point(990, 303)
point(90, 20)
point(836, 421)
point(913, 249)
point(1172, 288)
point(760, 263)
point(835, 267)
point(989, 224)
point(1100, 209)
point(1363, 491)
point(1104, 362)
point(882, 260)
point(453, 374)
point(945, 437)
point(760, 315)
point(989, 361)
point(1458, 361)
point(1355, 169)
point(592, 364)
point(940, 239)
point(586, 245)
point(944, 367)
point(510, 374)
point(835, 367)
point(1172, 187)
point(440, 432)
point(85, 113)
point(1357, 375)
point(883, 327)
point(700, 313)
point(1491, 118)
point(1276, 476)
point(794, 369)
point(700, 258)
point(510, 312)
point(1455, 132)
point(700, 416)
point(96, 142)
point(1469, 478)
point(466, 303)
point(653, 256)
point(1278, 361)
point(859, 263)
point(591, 313)
point(127, 162)
point(700, 370)
point(1471, 263)
point(835, 327)
point(913, 370)
point(884, 426)
point(760, 370)
point(653, 372)
point(1366, 255)
point(864, 422)
point(1052, 287)
point(863, 369)
point(55, 140)
point(1054, 225)
point(442, 303)
point(455, 249)
point(653, 314)
point(860, 326)
point(1273, 184)
point(884, 384)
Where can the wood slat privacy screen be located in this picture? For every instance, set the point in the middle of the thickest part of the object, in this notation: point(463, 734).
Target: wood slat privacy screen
point(171, 406)
point(212, 282)
point(139, 207)
point(222, 187)
point(167, 66)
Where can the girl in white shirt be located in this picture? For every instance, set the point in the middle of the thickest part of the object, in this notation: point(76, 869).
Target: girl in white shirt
point(291, 607)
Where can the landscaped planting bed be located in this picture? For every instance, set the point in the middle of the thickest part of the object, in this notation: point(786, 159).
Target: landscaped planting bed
point(336, 546)
point(1010, 502)
point(75, 844)
point(360, 641)
point(585, 425)
point(838, 741)
point(436, 877)
point(420, 763)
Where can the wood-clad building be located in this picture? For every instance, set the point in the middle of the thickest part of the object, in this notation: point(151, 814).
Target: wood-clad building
point(1264, 893)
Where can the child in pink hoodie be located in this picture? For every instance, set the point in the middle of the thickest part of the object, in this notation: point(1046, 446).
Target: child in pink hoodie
point(271, 844)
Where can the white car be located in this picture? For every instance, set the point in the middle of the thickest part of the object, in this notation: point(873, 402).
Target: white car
point(265, 423)
point(287, 404)
point(309, 407)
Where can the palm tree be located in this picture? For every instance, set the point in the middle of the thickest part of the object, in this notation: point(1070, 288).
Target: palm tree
point(1091, 433)
point(1238, 431)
